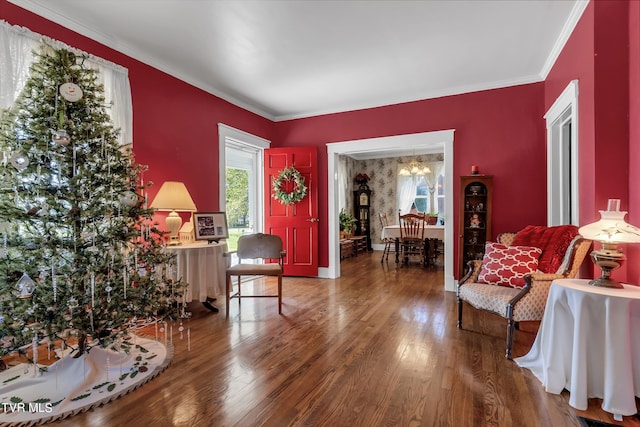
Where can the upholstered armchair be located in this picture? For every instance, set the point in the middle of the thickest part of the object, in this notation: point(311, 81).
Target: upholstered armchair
point(527, 302)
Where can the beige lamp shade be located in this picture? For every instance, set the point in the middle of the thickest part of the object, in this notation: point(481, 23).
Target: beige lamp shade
point(173, 196)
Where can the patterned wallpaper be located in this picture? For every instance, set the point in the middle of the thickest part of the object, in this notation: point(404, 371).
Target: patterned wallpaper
point(383, 174)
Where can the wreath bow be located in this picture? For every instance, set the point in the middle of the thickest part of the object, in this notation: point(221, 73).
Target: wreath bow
point(289, 186)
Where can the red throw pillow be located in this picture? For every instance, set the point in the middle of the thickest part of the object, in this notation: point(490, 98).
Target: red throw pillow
point(553, 241)
point(506, 265)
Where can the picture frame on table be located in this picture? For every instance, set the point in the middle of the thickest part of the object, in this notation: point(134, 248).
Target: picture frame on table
point(210, 226)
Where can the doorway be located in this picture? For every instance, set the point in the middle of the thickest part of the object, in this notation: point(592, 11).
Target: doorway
point(562, 158)
point(241, 181)
point(409, 144)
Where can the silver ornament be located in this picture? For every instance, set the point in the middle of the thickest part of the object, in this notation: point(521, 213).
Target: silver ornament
point(25, 286)
point(129, 198)
point(19, 160)
point(61, 137)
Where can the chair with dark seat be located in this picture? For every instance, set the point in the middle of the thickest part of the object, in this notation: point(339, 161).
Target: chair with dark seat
point(388, 242)
point(257, 246)
point(412, 235)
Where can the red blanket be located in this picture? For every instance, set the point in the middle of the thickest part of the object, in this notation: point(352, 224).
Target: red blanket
point(553, 241)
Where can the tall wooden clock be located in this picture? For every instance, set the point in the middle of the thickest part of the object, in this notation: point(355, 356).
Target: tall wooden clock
point(362, 206)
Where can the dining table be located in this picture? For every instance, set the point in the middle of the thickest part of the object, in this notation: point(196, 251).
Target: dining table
point(393, 232)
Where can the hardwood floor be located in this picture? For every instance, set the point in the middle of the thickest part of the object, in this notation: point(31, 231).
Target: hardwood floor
point(376, 347)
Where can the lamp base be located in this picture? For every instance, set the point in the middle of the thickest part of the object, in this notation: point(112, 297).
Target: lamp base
point(604, 282)
point(607, 259)
point(174, 222)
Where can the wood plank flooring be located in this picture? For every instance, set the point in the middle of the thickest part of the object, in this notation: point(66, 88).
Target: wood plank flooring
point(376, 347)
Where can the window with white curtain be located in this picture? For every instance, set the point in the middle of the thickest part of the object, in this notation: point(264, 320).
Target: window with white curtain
point(343, 183)
point(425, 192)
point(17, 45)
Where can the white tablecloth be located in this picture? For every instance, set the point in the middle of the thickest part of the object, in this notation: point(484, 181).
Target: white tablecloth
point(203, 267)
point(589, 344)
point(430, 232)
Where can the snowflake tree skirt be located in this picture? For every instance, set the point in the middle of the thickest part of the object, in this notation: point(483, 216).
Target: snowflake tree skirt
point(73, 385)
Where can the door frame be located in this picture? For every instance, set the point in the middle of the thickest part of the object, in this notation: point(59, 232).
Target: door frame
point(556, 165)
point(226, 133)
point(415, 141)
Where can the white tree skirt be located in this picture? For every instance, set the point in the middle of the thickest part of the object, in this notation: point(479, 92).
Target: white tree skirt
point(71, 386)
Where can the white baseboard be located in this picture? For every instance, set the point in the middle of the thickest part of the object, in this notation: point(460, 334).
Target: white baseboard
point(323, 272)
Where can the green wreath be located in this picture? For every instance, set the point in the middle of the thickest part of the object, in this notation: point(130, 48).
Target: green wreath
point(299, 189)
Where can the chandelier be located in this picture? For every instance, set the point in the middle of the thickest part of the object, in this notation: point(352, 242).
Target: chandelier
point(414, 168)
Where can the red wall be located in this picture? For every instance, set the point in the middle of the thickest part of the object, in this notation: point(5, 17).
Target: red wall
point(501, 131)
point(174, 123)
point(604, 58)
point(633, 251)
point(175, 132)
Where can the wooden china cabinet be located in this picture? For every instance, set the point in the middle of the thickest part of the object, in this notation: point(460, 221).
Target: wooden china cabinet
point(475, 218)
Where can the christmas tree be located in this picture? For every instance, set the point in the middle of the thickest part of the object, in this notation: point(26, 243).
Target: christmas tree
point(80, 258)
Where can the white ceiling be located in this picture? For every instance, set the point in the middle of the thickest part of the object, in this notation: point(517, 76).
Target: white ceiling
point(286, 59)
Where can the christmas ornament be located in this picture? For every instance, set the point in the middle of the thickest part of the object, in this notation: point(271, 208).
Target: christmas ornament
point(19, 160)
point(25, 286)
point(61, 137)
point(34, 210)
point(129, 198)
point(72, 303)
point(71, 92)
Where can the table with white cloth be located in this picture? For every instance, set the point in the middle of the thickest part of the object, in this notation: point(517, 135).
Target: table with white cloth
point(393, 232)
point(589, 344)
point(202, 265)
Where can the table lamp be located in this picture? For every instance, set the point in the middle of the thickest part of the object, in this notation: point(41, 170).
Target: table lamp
point(173, 196)
point(610, 230)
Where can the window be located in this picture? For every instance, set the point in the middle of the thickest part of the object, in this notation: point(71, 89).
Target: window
point(421, 200)
point(416, 191)
point(440, 196)
point(17, 54)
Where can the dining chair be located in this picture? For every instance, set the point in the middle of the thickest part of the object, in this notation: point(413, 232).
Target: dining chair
point(412, 235)
point(254, 247)
point(388, 242)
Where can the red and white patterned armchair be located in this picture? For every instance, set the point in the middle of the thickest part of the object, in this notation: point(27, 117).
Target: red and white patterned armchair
point(509, 282)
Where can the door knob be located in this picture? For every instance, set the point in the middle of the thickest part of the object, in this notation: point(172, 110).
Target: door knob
point(313, 220)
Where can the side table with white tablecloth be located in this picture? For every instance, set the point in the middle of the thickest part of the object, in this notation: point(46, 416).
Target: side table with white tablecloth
point(202, 265)
point(589, 344)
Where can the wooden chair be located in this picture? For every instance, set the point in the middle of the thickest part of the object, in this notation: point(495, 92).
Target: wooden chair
point(412, 235)
point(517, 304)
point(388, 242)
point(254, 247)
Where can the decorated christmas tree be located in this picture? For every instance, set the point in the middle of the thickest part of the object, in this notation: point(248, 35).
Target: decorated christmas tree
point(80, 258)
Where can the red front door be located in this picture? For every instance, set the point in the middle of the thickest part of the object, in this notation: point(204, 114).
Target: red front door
point(296, 223)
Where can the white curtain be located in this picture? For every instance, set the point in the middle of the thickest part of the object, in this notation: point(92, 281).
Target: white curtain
point(343, 183)
point(16, 55)
point(435, 170)
point(406, 193)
